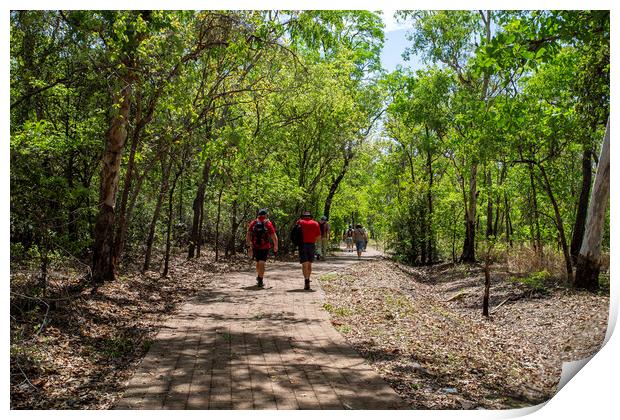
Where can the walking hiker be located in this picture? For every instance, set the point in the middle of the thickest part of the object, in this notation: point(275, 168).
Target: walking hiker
point(257, 238)
point(348, 238)
point(360, 237)
point(305, 234)
point(324, 241)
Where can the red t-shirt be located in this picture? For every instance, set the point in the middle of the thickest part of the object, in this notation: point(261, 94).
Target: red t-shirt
point(270, 231)
point(310, 230)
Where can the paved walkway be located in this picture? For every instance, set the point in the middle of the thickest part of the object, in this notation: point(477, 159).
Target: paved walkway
point(240, 347)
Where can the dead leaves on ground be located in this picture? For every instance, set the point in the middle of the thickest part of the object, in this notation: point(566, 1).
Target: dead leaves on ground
point(440, 352)
point(92, 343)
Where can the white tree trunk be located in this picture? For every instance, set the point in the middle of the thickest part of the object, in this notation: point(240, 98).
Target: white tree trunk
point(588, 262)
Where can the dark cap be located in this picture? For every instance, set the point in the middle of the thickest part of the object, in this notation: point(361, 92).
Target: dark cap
point(323, 217)
point(262, 212)
point(306, 214)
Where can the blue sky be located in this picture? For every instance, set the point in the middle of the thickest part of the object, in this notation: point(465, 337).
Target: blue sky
point(395, 44)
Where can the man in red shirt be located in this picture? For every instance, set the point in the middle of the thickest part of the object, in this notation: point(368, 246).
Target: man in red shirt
point(311, 232)
point(257, 238)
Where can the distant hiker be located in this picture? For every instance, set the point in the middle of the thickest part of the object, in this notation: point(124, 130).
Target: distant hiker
point(360, 237)
point(257, 238)
point(310, 231)
point(348, 238)
point(324, 241)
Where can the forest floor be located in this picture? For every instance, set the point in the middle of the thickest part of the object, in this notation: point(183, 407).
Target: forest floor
point(421, 329)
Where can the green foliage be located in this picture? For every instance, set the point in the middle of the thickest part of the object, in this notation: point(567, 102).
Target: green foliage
point(537, 281)
point(290, 110)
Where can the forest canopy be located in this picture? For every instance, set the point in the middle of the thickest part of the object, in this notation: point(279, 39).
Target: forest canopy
point(140, 134)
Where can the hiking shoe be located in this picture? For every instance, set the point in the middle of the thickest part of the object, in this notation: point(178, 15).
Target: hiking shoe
point(259, 282)
point(307, 284)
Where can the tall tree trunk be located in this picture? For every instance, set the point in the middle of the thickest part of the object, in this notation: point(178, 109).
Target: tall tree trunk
point(72, 217)
point(508, 220)
point(423, 231)
point(234, 226)
point(198, 208)
point(160, 198)
point(487, 283)
point(169, 224)
point(537, 239)
point(489, 185)
point(559, 225)
point(181, 190)
point(121, 225)
point(200, 236)
point(498, 199)
point(348, 155)
point(104, 261)
point(430, 244)
point(588, 261)
point(469, 246)
point(582, 206)
point(217, 223)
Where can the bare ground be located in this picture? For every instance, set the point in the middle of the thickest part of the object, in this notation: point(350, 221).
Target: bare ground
point(423, 330)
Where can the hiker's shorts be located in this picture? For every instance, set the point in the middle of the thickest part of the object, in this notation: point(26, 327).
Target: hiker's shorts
point(306, 253)
point(260, 254)
point(360, 245)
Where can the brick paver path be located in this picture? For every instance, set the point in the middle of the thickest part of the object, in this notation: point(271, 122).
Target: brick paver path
point(240, 347)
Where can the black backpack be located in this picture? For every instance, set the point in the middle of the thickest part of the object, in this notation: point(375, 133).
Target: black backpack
point(260, 233)
point(297, 237)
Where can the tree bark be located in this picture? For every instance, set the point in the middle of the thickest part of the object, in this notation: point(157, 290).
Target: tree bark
point(169, 227)
point(234, 226)
point(469, 247)
point(217, 223)
point(198, 207)
point(348, 155)
point(487, 284)
point(489, 182)
point(160, 198)
point(537, 240)
point(430, 244)
point(508, 220)
point(588, 261)
point(121, 225)
point(104, 261)
point(582, 206)
point(559, 225)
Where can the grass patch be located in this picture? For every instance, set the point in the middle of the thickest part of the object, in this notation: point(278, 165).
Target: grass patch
point(328, 277)
point(343, 329)
point(117, 346)
point(334, 310)
point(536, 281)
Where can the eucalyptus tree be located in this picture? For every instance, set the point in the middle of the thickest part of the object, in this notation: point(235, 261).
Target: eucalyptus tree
point(528, 39)
point(588, 262)
point(451, 38)
point(417, 123)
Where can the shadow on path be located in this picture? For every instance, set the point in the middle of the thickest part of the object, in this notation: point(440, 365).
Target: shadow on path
point(240, 347)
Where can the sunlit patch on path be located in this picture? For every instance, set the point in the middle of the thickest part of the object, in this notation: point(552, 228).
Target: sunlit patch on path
point(239, 347)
